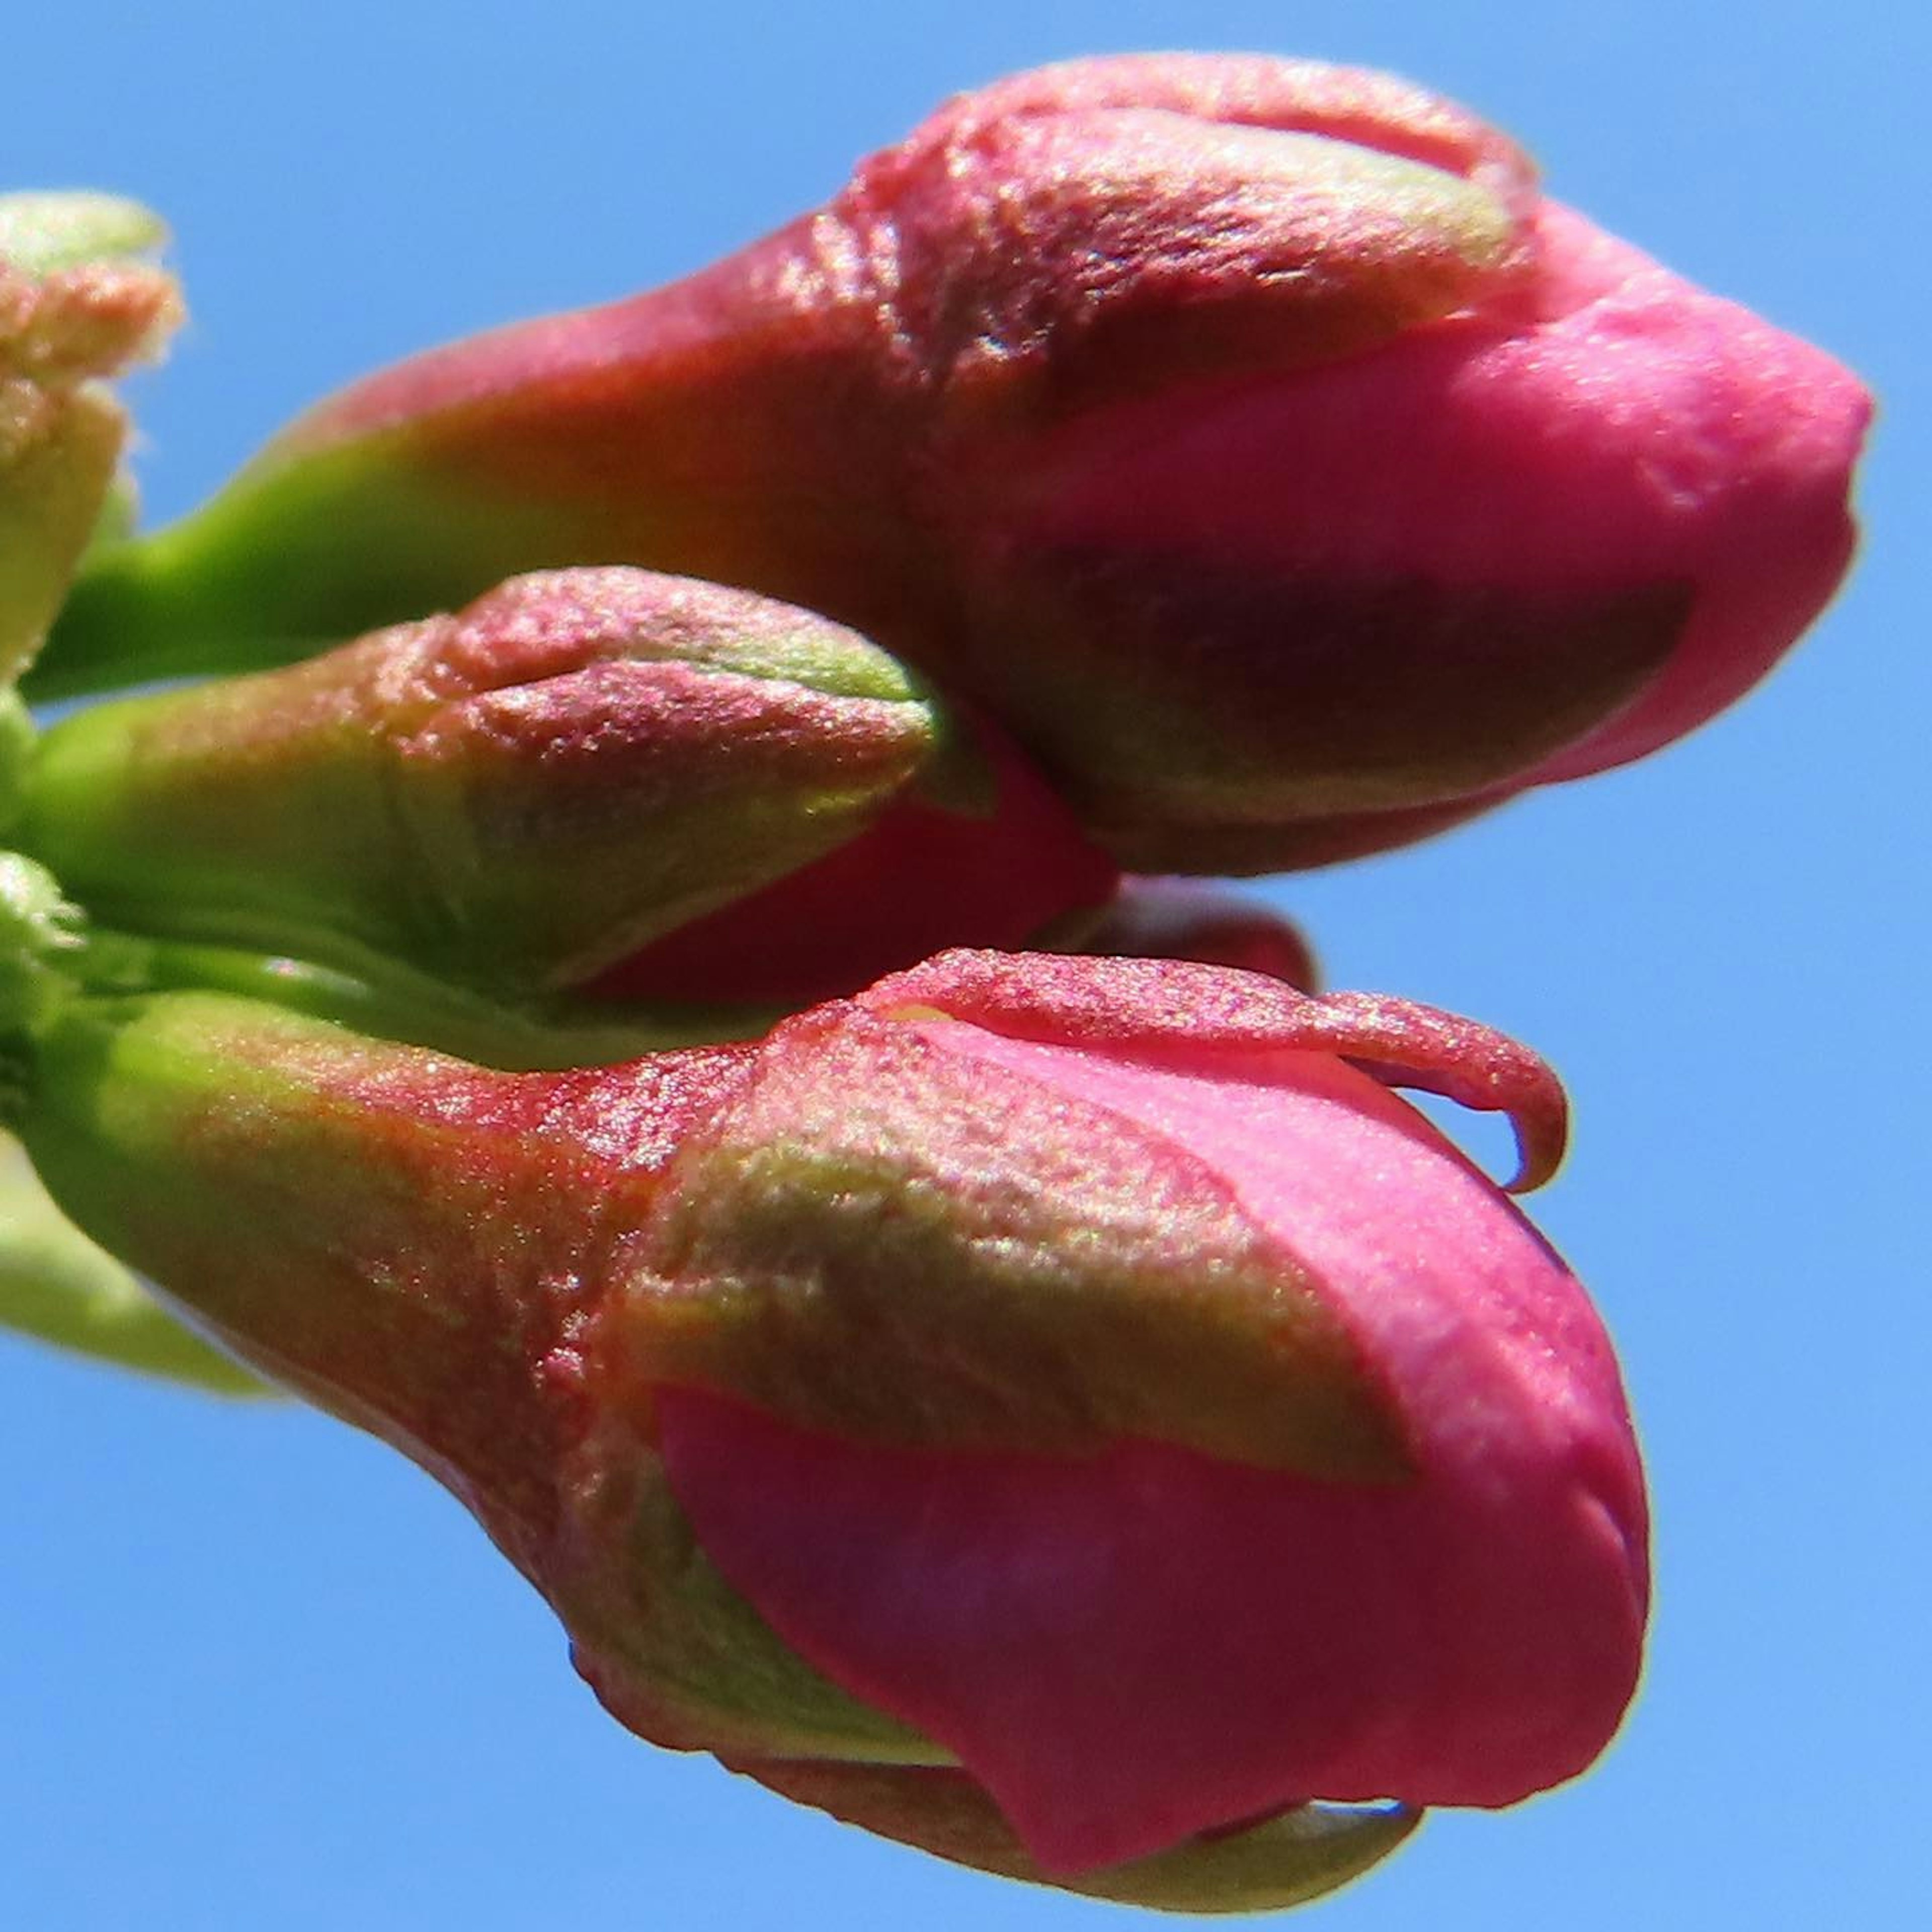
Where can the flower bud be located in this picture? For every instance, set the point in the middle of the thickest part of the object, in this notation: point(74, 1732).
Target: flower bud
point(1082, 1381)
point(520, 798)
point(1249, 437)
point(76, 304)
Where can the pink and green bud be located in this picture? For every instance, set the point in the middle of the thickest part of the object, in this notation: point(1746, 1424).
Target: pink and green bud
point(523, 797)
point(1049, 1410)
point(78, 304)
point(1250, 438)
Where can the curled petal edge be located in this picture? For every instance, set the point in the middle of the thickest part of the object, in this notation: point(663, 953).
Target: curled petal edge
point(1160, 1002)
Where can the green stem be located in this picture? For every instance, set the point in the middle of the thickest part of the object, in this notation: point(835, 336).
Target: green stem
point(57, 1286)
point(385, 1000)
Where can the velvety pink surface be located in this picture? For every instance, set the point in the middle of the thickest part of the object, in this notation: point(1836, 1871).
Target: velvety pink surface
point(1631, 430)
point(1176, 1011)
point(1132, 1648)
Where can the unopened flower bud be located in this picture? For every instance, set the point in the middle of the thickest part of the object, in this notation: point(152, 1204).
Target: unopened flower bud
point(1250, 438)
point(522, 797)
point(1080, 1380)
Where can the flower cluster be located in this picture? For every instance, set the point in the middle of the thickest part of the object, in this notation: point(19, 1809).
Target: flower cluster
point(622, 962)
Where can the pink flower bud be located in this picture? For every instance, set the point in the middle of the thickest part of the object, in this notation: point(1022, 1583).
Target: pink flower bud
point(1051, 1410)
point(1249, 437)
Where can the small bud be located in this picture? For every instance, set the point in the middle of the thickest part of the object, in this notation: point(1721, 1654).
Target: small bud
point(522, 798)
point(76, 305)
point(1081, 1378)
point(1250, 438)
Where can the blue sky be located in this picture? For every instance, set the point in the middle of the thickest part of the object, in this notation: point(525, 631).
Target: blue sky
point(256, 1671)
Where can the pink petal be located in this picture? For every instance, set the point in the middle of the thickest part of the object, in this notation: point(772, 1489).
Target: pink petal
point(1636, 433)
point(918, 878)
point(1132, 1647)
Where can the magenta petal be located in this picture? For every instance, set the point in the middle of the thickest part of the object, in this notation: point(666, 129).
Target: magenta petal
point(1635, 432)
point(1128, 1648)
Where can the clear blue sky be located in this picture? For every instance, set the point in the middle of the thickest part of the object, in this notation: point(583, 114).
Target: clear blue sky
point(255, 1671)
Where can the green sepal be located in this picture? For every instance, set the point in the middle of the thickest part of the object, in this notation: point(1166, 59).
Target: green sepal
point(1287, 1860)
